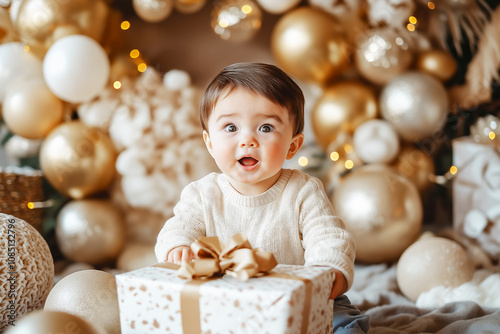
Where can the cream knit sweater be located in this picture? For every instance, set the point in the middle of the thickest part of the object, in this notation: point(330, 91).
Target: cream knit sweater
point(293, 219)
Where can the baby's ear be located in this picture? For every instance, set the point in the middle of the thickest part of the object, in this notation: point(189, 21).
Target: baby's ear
point(208, 142)
point(296, 144)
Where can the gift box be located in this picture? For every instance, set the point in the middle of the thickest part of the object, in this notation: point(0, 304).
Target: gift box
point(289, 299)
point(476, 192)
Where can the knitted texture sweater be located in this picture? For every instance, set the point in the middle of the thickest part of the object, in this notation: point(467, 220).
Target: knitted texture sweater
point(293, 219)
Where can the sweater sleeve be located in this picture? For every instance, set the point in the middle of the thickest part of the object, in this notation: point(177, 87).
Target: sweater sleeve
point(325, 240)
point(184, 227)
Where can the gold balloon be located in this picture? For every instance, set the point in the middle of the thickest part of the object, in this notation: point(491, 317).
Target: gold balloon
point(41, 22)
point(53, 322)
point(310, 45)
point(416, 166)
point(7, 32)
point(437, 63)
point(31, 110)
point(153, 10)
point(382, 54)
point(189, 6)
point(90, 295)
point(77, 160)
point(340, 109)
point(382, 210)
point(236, 20)
point(90, 231)
point(432, 262)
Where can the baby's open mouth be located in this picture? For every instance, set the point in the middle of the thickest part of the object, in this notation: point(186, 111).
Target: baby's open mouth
point(248, 161)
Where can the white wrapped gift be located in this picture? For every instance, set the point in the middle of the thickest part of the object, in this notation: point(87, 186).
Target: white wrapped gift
point(290, 299)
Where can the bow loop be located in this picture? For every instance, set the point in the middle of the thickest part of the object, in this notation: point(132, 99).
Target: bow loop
point(237, 259)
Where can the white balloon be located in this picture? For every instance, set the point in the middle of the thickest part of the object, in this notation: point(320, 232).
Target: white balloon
point(376, 141)
point(277, 6)
point(76, 68)
point(17, 64)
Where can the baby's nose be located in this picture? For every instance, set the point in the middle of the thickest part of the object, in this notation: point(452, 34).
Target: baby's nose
point(248, 140)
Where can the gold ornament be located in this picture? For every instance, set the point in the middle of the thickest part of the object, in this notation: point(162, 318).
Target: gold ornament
point(416, 166)
point(310, 45)
point(341, 108)
point(77, 160)
point(41, 22)
point(236, 20)
point(31, 110)
point(153, 10)
point(382, 54)
point(90, 231)
point(28, 256)
point(189, 6)
point(416, 104)
point(438, 63)
point(90, 295)
point(53, 322)
point(382, 210)
point(432, 262)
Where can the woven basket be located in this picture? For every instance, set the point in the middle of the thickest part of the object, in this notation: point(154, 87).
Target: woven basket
point(18, 187)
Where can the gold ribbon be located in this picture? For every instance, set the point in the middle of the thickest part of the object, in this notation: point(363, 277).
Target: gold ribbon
point(237, 259)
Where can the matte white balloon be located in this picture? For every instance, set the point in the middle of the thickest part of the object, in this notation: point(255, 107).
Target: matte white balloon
point(376, 141)
point(277, 6)
point(17, 64)
point(76, 68)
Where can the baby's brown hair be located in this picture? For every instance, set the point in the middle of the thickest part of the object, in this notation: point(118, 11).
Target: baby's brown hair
point(264, 79)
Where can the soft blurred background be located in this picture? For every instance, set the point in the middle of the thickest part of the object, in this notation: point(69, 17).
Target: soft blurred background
point(100, 133)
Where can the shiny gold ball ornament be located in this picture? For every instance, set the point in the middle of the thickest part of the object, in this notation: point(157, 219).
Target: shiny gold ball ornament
point(78, 160)
point(382, 54)
point(53, 322)
point(416, 104)
point(26, 270)
point(153, 10)
point(342, 108)
point(31, 110)
point(90, 231)
point(382, 210)
point(438, 63)
point(90, 295)
point(310, 45)
point(417, 166)
point(236, 20)
point(39, 22)
point(189, 6)
point(432, 262)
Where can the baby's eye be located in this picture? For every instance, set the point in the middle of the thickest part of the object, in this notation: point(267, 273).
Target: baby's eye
point(266, 128)
point(230, 128)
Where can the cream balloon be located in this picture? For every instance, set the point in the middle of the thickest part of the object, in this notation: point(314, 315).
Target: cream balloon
point(17, 65)
point(153, 10)
point(432, 262)
point(341, 109)
point(32, 110)
point(76, 68)
point(277, 6)
point(381, 209)
point(88, 294)
point(376, 141)
point(53, 322)
point(77, 160)
point(310, 44)
point(416, 104)
point(90, 231)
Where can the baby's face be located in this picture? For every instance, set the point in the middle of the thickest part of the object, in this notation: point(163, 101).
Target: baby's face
point(250, 137)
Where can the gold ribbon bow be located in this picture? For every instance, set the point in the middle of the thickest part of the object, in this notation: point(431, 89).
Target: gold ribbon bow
point(237, 259)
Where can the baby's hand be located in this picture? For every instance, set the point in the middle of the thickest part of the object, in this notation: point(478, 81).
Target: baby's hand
point(180, 254)
point(339, 285)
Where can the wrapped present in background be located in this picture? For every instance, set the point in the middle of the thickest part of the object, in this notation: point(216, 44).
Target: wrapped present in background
point(290, 299)
point(476, 189)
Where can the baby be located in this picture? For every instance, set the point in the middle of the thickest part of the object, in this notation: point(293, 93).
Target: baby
point(252, 117)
